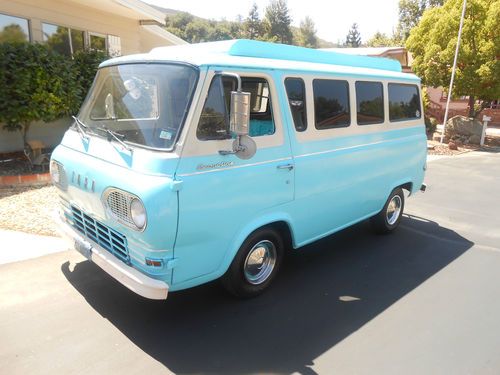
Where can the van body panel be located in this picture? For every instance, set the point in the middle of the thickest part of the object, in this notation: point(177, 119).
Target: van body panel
point(88, 177)
point(342, 180)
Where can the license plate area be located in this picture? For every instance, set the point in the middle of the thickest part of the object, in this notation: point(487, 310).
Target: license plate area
point(83, 248)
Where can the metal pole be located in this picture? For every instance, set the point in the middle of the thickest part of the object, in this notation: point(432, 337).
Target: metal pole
point(453, 71)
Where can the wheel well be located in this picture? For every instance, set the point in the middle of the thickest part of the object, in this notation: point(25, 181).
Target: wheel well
point(284, 230)
point(408, 186)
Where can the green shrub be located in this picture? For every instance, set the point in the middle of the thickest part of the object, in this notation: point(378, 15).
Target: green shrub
point(39, 84)
point(85, 65)
point(34, 85)
point(430, 124)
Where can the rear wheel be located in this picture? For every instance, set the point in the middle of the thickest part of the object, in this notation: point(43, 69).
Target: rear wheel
point(256, 264)
point(389, 218)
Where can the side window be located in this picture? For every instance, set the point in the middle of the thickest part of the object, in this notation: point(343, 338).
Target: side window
point(296, 93)
point(214, 119)
point(369, 103)
point(404, 102)
point(261, 117)
point(331, 104)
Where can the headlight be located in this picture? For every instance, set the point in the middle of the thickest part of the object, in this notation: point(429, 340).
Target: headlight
point(138, 213)
point(54, 172)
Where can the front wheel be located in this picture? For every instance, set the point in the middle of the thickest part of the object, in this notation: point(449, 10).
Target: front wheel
point(387, 220)
point(255, 265)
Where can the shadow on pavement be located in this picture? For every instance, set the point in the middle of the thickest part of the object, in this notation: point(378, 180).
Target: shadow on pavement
point(325, 292)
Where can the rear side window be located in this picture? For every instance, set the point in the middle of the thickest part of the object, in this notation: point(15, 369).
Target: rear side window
point(404, 102)
point(331, 104)
point(296, 92)
point(369, 103)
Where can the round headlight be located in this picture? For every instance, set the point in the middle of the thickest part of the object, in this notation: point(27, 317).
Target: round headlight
point(138, 213)
point(54, 172)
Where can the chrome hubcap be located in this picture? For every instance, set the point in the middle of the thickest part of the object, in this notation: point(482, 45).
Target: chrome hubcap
point(260, 262)
point(393, 210)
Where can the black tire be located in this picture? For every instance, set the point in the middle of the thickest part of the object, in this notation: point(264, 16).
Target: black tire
point(383, 222)
point(236, 280)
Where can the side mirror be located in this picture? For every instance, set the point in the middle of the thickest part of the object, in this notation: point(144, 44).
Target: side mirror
point(239, 114)
point(244, 146)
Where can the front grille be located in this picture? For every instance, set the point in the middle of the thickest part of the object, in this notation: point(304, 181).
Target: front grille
point(109, 239)
point(119, 203)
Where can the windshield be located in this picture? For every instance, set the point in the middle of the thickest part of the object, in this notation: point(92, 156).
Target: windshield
point(144, 104)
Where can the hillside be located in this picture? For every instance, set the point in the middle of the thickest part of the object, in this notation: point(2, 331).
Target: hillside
point(170, 12)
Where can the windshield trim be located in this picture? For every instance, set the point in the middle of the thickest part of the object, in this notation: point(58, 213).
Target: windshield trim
point(189, 104)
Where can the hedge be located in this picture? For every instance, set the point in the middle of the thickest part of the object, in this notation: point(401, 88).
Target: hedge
point(39, 84)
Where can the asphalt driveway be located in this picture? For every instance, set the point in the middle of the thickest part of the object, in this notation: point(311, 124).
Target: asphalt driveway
point(425, 300)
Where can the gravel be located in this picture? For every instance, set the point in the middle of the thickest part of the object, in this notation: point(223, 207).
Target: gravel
point(29, 209)
point(443, 149)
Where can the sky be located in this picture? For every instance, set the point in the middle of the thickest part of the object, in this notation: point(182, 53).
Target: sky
point(332, 18)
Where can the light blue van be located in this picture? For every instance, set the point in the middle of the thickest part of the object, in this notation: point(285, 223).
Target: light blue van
point(199, 162)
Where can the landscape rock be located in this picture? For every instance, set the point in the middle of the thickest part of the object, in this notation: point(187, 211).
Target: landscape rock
point(475, 139)
point(452, 146)
point(463, 126)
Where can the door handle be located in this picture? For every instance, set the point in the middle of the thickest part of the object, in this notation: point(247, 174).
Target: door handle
point(285, 166)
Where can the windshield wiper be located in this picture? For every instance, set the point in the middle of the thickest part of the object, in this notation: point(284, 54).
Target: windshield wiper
point(81, 127)
point(116, 136)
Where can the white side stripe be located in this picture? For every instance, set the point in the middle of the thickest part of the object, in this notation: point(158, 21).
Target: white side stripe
point(235, 167)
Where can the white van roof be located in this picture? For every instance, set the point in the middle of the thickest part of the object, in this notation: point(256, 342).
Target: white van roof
point(261, 55)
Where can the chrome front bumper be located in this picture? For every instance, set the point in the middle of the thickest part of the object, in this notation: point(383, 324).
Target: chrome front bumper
point(134, 280)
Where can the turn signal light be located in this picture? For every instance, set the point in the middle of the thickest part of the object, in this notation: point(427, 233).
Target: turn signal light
point(154, 262)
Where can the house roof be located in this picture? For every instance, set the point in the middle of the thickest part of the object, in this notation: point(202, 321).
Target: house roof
point(150, 18)
point(254, 54)
point(133, 9)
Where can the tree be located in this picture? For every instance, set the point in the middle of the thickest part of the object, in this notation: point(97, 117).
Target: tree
point(433, 41)
point(252, 27)
point(382, 40)
point(410, 12)
point(13, 33)
point(307, 34)
point(35, 84)
point(353, 38)
point(277, 22)
point(178, 23)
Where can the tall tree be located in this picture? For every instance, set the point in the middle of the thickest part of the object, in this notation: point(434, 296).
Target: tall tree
point(383, 40)
point(410, 12)
point(433, 41)
point(252, 27)
point(307, 34)
point(277, 22)
point(353, 38)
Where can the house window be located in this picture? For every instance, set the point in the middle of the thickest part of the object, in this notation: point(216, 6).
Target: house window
point(331, 104)
point(114, 46)
point(369, 103)
point(296, 92)
point(97, 42)
point(14, 29)
point(62, 39)
point(404, 102)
